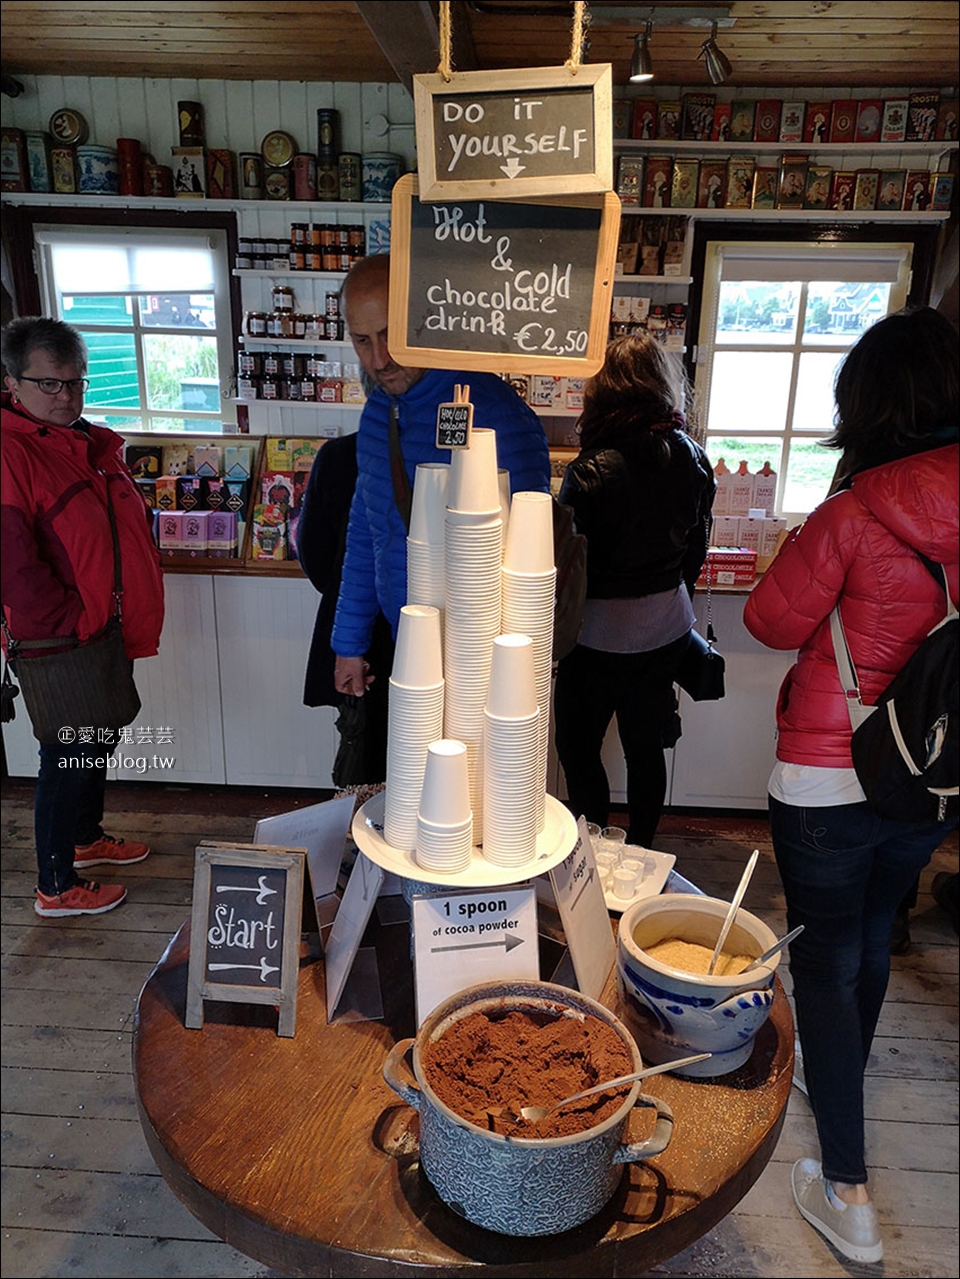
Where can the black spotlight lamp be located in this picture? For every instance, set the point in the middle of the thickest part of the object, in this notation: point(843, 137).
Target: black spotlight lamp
point(641, 65)
point(718, 64)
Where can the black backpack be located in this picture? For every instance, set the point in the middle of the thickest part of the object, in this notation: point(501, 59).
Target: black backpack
point(906, 748)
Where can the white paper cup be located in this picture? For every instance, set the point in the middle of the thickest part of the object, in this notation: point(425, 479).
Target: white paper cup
point(418, 658)
point(624, 883)
point(513, 688)
point(473, 482)
point(429, 507)
point(529, 543)
point(445, 798)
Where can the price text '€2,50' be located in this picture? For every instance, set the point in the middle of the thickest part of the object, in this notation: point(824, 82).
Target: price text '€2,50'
point(512, 292)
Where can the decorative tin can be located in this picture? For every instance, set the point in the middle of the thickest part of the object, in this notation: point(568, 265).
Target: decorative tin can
point(190, 120)
point(328, 133)
point(37, 143)
point(13, 160)
point(189, 172)
point(221, 174)
point(63, 165)
point(328, 180)
point(304, 176)
point(251, 176)
point(381, 169)
point(97, 170)
point(276, 184)
point(157, 180)
point(350, 170)
point(130, 166)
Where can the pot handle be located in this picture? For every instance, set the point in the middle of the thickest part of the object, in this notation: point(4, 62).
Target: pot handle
point(756, 998)
point(631, 1151)
point(407, 1089)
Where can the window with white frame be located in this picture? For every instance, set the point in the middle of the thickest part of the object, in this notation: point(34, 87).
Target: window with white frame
point(776, 321)
point(154, 311)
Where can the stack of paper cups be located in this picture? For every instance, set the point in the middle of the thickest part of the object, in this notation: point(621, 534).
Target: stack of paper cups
point(474, 488)
point(510, 762)
point(444, 820)
point(425, 542)
point(414, 719)
point(528, 602)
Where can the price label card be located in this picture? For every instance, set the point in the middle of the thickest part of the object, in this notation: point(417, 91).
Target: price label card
point(583, 912)
point(454, 423)
point(477, 935)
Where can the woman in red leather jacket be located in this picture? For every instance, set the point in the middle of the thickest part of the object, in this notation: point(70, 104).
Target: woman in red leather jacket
point(844, 868)
point(641, 490)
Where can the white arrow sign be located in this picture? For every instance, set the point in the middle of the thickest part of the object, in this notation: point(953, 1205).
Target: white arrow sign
point(263, 892)
point(513, 167)
point(264, 968)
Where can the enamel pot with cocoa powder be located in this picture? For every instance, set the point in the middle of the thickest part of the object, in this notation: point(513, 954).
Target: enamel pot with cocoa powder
point(512, 1184)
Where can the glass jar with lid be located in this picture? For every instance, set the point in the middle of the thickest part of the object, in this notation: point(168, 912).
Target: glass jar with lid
point(282, 297)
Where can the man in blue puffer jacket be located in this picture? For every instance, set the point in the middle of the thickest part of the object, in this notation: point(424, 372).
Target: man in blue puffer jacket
point(375, 566)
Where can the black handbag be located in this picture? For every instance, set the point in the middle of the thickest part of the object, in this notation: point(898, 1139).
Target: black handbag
point(701, 671)
point(69, 686)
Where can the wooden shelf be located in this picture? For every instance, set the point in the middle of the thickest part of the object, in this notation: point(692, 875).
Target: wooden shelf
point(256, 273)
point(296, 344)
point(683, 281)
point(182, 205)
point(688, 147)
point(790, 215)
point(298, 404)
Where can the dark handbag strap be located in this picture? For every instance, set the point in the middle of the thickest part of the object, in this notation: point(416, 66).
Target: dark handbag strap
point(14, 646)
point(402, 493)
point(711, 634)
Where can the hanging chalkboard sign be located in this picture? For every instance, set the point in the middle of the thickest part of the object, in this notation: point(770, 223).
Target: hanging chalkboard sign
point(509, 286)
point(513, 134)
point(245, 929)
point(455, 420)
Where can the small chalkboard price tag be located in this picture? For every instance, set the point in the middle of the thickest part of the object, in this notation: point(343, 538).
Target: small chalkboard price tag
point(455, 421)
point(245, 929)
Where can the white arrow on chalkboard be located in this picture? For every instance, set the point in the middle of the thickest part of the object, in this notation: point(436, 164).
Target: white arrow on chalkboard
point(263, 892)
point(508, 943)
point(513, 167)
point(263, 966)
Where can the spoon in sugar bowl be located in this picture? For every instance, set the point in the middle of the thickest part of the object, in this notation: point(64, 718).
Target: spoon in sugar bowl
point(533, 1114)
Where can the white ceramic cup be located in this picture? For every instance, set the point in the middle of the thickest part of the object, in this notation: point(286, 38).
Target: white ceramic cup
point(513, 689)
point(529, 542)
point(445, 798)
point(418, 659)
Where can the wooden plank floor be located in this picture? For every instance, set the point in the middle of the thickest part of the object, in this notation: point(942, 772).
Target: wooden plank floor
point(82, 1197)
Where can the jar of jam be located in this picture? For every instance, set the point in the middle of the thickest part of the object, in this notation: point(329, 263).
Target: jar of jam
point(274, 329)
point(314, 258)
point(269, 389)
point(299, 324)
point(282, 297)
point(298, 261)
point(298, 232)
point(255, 324)
point(308, 388)
point(311, 326)
point(271, 364)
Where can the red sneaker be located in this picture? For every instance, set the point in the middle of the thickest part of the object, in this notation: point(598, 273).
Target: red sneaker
point(85, 898)
point(109, 849)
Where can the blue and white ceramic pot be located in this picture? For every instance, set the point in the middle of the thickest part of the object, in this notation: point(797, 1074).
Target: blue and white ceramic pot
point(673, 1013)
point(529, 1186)
point(97, 171)
point(381, 169)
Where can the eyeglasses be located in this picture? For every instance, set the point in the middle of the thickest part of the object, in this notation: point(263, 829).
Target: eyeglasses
point(54, 385)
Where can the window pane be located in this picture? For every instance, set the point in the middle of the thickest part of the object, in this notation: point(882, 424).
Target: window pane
point(182, 372)
point(126, 422)
point(749, 391)
point(172, 310)
point(750, 449)
point(813, 406)
point(838, 313)
point(810, 469)
point(112, 370)
point(756, 311)
point(202, 426)
point(116, 310)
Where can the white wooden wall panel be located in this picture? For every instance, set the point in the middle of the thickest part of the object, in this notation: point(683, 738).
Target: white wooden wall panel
point(272, 739)
point(180, 691)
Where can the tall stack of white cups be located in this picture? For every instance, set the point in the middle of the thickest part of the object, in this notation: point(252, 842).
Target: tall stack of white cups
point(510, 761)
point(473, 554)
point(529, 586)
point(414, 719)
point(425, 540)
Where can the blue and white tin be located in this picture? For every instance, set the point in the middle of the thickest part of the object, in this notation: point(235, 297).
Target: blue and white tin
point(381, 169)
point(97, 171)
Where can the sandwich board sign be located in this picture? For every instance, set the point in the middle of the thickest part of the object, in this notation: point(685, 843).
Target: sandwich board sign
point(509, 134)
point(245, 929)
point(506, 286)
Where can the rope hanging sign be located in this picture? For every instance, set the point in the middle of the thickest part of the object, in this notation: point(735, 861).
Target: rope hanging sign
point(512, 134)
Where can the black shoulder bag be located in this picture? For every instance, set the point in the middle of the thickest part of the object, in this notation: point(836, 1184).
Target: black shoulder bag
point(701, 671)
point(69, 687)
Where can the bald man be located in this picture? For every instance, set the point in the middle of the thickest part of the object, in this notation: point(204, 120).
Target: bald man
point(375, 565)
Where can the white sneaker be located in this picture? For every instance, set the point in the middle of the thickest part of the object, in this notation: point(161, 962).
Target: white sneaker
point(853, 1229)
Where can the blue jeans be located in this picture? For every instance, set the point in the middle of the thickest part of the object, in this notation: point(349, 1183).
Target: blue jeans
point(844, 871)
point(591, 687)
point(67, 809)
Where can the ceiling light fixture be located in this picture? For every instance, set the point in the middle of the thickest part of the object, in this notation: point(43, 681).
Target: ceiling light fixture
point(717, 63)
point(641, 65)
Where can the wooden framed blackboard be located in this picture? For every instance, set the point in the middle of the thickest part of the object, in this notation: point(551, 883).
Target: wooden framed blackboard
point(245, 929)
point(509, 286)
point(512, 134)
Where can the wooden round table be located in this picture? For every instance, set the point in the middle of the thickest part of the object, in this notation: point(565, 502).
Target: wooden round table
point(298, 1154)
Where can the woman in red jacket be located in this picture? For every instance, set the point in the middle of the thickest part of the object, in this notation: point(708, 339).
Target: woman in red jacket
point(844, 868)
point(58, 579)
